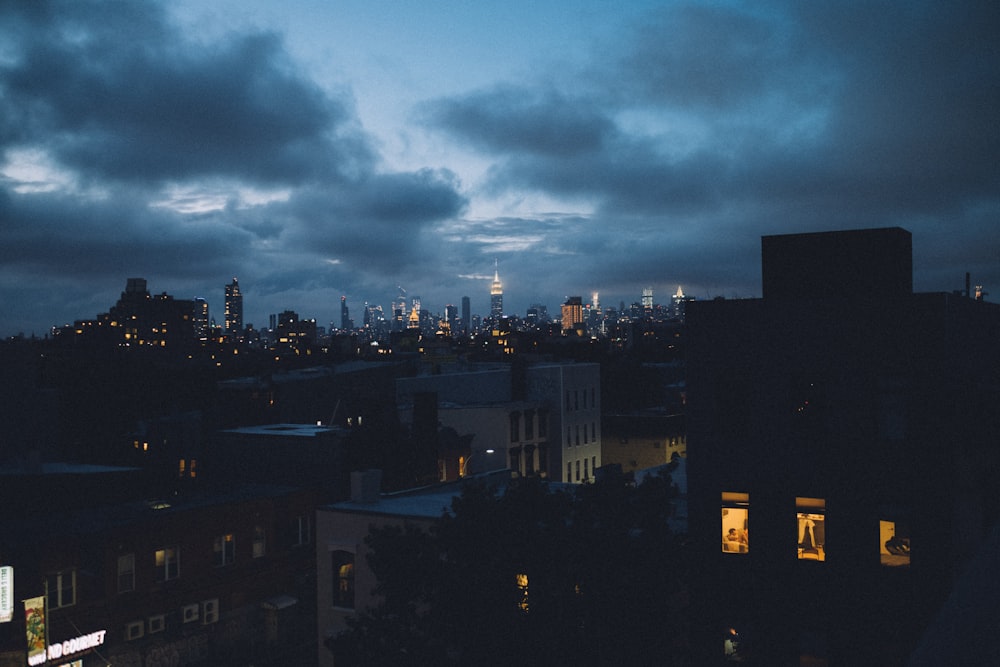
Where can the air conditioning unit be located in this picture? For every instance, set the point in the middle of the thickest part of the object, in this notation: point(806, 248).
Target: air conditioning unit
point(209, 611)
point(157, 623)
point(134, 630)
point(189, 613)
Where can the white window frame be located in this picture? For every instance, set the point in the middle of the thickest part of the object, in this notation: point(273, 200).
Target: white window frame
point(126, 568)
point(164, 569)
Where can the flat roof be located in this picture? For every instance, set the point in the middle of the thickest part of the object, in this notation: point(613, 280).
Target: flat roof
point(284, 430)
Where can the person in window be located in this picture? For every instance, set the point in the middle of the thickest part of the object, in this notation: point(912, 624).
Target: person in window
point(737, 541)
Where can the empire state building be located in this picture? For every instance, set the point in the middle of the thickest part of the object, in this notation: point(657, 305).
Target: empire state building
point(496, 295)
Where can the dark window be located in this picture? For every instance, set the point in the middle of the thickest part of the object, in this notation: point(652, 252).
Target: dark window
point(224, 550)
point(126, 573)
point(62, 589)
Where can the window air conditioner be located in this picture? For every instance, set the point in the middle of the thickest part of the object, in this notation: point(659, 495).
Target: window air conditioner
point(157, 623)
point(209, 611)
point(189, 613)
point(134, 630)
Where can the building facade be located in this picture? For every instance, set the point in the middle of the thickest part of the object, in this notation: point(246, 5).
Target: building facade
point(842, 458)
point(541, 419)
point(218, 578)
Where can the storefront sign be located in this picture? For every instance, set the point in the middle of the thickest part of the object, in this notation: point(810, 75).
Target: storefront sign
point(70, 646)
point(34, 629)
point(6, 594)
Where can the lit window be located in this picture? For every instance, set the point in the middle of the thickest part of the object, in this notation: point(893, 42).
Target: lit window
point(894, 537)
point(343, 579)
point(61, 588)
point(732, 646)
point(224, 550)
point(126, 573)
point(168, 563)
point(735, 522)
point(811, 514)
point(521, 580)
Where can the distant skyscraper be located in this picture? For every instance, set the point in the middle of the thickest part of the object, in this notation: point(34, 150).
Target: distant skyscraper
point(200, 316)
point(572, 312)
point(345, 318)
point(234, 308)
point(466, 315)
point(677, 302)
point(496, 295)
point(647, 299)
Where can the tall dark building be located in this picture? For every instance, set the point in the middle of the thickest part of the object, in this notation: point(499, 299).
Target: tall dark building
point(841, 453)
point(345, 318)
point(466, 315)
point(234, 308)
point(141, 319)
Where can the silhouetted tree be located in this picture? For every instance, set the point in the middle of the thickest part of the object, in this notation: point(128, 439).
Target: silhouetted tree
point(529, 574)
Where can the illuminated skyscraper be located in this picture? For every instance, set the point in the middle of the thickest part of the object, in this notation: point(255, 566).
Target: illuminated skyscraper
point(496, 295)
point(647, 299)
point(234, 308)
point(572, 313)
point(200, 316)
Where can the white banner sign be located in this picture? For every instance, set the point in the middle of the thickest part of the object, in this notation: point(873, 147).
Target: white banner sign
point(6, 594)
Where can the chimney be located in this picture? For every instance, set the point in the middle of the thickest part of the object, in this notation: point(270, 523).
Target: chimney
point(366, 486)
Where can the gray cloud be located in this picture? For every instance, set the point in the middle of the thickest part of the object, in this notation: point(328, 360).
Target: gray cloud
point(796, 118)
point(687, 136)
point(137, 120)
point(156, 107)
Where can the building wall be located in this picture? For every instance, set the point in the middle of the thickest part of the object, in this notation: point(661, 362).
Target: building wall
point(344, 530)
point(637, 442)
point(572, 394)
point(210, 611)
point(873, 405)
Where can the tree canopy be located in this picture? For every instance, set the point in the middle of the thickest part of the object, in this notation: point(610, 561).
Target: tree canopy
point(529, 573)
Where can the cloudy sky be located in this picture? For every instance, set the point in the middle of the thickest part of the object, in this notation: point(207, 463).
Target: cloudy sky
point(319, 148)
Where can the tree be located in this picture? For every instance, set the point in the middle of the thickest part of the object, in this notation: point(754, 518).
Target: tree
point(529, 573)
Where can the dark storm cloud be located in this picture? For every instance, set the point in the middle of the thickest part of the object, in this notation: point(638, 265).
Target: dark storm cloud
point(145, 152)
point(769, 118)
point(59, 234)
point(512, 119)
point(369, 220)
point(113, 91)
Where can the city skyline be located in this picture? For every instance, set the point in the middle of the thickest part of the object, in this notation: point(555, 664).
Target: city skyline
point(318, 150)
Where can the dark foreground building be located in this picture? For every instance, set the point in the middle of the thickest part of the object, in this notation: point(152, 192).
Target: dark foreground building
point(209, 578)
point(843, 454)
